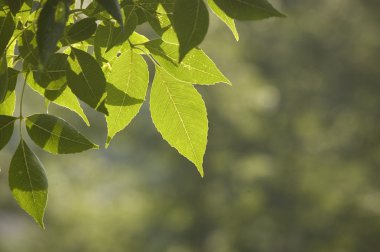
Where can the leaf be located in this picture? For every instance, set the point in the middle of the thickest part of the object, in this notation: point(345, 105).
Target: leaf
point(14, 5)
point(196, 67)
point(9, 103)
point(7, 27)
point(28, 182)
point(86, 79)
point(56, 136)
point(113, 8)
point(63, 97)
point(6, 129)
point(224, 17)
point(82, 30)
point(179, 114)
point(27, 46)
point(3, 77)
point(127, 86)
point(248, 9)
point(190, 22)
point(53, 76)
point(51, 25)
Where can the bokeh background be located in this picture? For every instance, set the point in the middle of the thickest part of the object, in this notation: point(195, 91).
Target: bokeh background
point(293, 160)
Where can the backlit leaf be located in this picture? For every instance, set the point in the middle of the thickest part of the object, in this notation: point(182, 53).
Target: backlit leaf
point(6, 129)
point(56, 136)
point(82, 30)
point(28, 182)
point(224, 17)
point(8, 105)
point(179, 114)
point(7, 26)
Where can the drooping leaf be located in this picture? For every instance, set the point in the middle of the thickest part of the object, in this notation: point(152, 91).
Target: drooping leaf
point(190, 20)
point(28, 182)
point(3, 77)
point(224, 17)
point(9, 103)
point(179, 114)
point(82, 30)
point(63, 97)
point(113, 8)
point(248, 9)
point(56, 136)
point(51, 25)
point(6, 129)
point(126, 88)
point(86, 79)
point(195, 68)
point(14, 5)
point(7, 27)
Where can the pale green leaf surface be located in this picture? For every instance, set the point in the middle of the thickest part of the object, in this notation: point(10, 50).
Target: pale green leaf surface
point(6, 129)
point(195, 68)
point(28, 182)
point(224, 17)
point(126, 88)
point(56, 136)
point(190, 20)
point(179, 114)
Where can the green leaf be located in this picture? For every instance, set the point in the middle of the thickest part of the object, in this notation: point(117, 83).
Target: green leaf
point(7, 27)
point(82, 30)
point(14, 5)
point(179, 114)
point(53, 76)
point(3, 77)
point(196, 67)
point(51, 25)
point(224, 17)
point(28, 182)
point(63, 97)
point(86, 79)
point(190, 22)
point(56, 136)
point(127, 86)
point(6, 129)
point(27, 46)
point(113, 8)
point(248, 9)
point(9, 103)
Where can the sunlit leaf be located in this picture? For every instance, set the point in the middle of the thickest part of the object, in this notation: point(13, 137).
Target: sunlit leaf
point(224, 17)
point(28, 182)
point(179, 114)
point(56, 136)
point(126, 88)
point(82, 30)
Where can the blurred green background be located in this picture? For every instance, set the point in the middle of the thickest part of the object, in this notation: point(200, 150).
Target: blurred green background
point(293, 160)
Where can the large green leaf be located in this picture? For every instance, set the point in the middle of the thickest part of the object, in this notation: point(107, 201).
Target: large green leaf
point(28, 182)
point(196, 67)
point(224, 17)
point(27, 46)
point(179, 114)
point(6, 129)
point(7, 27)
point(9, 103)
point(126, 88)
point(113, 8)
point(3, 77)
point(51, 25)
point(248, 9)
point(86, 79)
point(190, 22)
point(82, 30)
point(56, 136)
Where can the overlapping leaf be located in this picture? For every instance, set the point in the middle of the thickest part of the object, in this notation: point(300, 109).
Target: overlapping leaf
point(179, 114)
point(9, 103)
point(28, 182)
point(3, 77)
point(7, 27)
point(56, 136)
point(82, 30)
point(6, 129)
point(224, 17)
point(113, 8)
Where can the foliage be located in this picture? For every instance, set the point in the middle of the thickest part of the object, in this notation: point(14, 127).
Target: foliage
point(89, 51)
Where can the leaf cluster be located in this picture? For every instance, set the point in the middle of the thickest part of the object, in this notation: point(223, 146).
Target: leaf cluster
point(73, 52)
